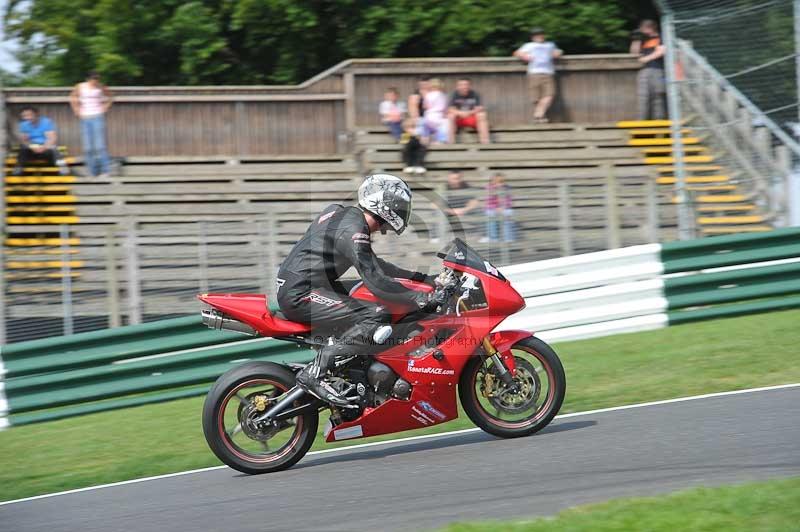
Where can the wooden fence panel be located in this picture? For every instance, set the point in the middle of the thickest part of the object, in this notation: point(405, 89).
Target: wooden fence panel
point(310, 118)
point(233, 128)
point(593, 88)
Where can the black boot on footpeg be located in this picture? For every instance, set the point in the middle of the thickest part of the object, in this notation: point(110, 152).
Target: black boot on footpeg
point(308, 379)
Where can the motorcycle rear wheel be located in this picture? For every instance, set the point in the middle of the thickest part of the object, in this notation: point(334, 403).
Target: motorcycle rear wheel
point(242, 394)
point(540, 378)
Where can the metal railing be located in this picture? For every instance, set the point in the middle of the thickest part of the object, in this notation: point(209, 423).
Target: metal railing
point(732, 74)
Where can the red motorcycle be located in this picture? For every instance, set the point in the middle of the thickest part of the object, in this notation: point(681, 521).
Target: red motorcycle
point(510, 383)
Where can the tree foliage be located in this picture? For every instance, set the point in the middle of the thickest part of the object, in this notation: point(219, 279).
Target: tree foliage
point(285, 41)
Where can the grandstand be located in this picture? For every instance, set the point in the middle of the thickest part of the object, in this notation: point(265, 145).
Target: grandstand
point(206, 217)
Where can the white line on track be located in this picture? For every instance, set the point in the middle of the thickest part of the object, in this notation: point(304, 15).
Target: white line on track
point(415, 438)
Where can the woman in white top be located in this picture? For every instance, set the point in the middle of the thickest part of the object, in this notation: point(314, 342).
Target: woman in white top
point(434, 120)
point(90, 101)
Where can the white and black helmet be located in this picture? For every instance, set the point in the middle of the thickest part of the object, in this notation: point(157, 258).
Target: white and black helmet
point(388, 197)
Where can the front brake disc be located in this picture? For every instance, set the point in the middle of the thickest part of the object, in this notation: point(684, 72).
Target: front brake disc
point(529, 384)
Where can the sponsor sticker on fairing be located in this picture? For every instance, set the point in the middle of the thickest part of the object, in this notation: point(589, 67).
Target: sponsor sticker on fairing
point(490, 269)
point(350, 432)
point(429, 371)
point(427, 407)
point(418, 412)
point(419, 419)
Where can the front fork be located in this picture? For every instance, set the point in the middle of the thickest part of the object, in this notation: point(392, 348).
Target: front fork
point(506, 368)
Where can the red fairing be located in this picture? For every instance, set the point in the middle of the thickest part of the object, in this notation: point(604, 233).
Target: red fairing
point(503, 340)
point(503, 300)
point(434, 382)
point(253, 310)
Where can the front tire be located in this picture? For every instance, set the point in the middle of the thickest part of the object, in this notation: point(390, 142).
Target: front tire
point(239, 396)
point(511, 415)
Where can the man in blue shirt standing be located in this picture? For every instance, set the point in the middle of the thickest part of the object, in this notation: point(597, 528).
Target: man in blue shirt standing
point(38, 141)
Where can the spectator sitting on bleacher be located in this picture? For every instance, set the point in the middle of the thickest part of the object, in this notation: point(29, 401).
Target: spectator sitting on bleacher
point(392, 112)
point(460, 195)
point(38, 140)
point(498, 204)
point(413, 148)
point(540, 55)
point(466, 111)
point(416, 99)
point(460, 199)
point(434, 120)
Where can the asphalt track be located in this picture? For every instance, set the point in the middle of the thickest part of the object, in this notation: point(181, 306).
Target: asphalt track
point(428, 483)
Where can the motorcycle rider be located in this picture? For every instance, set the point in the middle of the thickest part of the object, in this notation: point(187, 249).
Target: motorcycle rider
point(309, 290)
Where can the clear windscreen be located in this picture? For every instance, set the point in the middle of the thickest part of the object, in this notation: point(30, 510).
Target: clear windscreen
point(459, 252)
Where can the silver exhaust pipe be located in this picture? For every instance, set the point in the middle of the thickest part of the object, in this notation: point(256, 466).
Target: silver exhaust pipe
point(216, 320)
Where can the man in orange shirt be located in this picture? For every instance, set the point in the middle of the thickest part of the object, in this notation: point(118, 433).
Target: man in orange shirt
point(651, 87)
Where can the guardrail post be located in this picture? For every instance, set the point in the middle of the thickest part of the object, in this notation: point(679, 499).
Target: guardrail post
point(763, 142)
point(652, 210)
point(440, 223)
point(784, 158)
point(3, 154)
point(132, 270)
point(239, 133)
point(262, 244)
point(272, 247)
point(505, 253)
point(350, 103)
point(685, 210)
point(66, 280)
point(112, 281)
point(565, 225)
point(612, 210)
point(202, 256)
point(3, 302)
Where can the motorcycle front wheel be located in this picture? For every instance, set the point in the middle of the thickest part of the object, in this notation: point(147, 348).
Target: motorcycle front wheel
point(232, 429)
point(509, 413)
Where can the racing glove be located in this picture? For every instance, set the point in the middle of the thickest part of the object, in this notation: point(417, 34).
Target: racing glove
point(430, 301)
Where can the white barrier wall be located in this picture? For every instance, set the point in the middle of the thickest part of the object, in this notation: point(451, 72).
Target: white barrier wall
point(590, 295)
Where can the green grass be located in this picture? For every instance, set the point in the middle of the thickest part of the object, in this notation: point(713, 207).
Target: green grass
point(773, 505)
point(690, 359)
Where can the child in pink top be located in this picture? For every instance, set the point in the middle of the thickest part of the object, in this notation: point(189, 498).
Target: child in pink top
point(90, 100)
point(392, 112)
point(434, 120)
point(498, 204)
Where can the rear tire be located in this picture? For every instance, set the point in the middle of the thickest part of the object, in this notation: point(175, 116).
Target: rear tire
point(477, 409)
point(227, 388)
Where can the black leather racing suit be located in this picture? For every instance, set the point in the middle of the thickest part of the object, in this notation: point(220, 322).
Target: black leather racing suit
point(309, 290)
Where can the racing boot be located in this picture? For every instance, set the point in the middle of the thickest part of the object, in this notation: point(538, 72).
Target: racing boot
point(314, 380)
point(314, 377)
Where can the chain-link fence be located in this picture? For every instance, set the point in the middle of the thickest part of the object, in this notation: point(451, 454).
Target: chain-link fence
point(752, 44)
point(733, 78)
